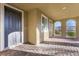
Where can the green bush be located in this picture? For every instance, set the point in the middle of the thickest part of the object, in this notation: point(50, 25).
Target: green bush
point(57, 32)
point(71, 34)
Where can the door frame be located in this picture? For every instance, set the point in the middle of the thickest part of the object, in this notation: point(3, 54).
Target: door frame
point(42, 32)
point(2, 25)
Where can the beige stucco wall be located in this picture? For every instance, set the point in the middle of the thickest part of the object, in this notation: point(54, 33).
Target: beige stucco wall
point(42, 36)
point(50, 28)
point(25, 27)
point(35, 36)
point(38, 29)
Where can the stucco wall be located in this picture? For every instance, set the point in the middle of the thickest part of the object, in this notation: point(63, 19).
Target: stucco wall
point(42, 36)
point(25, 27)
point(35, 36)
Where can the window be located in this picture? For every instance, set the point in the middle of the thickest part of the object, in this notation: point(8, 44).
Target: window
point(57, 28)
point(44, 24)
point(50, 28)
point(71, 28)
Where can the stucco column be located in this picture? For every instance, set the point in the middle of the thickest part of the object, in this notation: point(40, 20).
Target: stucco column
point(77, 28)
point(63, 28)
point(33, 27)
point(25, 27)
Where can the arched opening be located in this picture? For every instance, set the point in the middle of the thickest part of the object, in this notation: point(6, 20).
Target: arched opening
point(71, 28)
point(57, 28)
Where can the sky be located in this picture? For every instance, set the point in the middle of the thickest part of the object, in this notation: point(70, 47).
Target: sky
point(70, 22)
point(57, 24)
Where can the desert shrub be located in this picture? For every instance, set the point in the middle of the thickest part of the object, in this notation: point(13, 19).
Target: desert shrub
point(57, 32)
point(71, 34)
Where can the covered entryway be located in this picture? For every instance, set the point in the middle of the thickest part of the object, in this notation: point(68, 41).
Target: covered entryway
point(12, 27)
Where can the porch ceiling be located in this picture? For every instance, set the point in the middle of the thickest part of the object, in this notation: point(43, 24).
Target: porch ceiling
point(53, 10)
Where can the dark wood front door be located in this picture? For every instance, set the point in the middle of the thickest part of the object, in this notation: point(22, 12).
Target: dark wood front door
point(12, 27)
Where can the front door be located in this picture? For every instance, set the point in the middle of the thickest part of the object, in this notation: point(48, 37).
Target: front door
point(12, 27)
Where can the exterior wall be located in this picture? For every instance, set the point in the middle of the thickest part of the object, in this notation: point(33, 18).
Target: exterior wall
point(25, 27)
point(46, 33)
point(39, 34)
point(1, 26)
point(42, 36)
point(50, 27)
point(38, 30)
point(35, 36)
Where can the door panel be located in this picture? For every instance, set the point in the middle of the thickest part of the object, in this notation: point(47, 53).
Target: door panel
point(12, 27)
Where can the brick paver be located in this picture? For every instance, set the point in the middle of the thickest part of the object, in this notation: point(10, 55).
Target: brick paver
point(49, 49)
point(42, 50)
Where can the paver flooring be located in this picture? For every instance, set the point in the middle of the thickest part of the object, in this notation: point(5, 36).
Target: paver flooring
point(41, 50)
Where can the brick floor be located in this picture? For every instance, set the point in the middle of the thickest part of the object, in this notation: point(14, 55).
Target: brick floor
point(62, 40)
point(41, 50)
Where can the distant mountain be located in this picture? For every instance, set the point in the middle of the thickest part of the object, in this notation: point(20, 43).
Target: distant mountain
point(70, 28)
point(58, 28)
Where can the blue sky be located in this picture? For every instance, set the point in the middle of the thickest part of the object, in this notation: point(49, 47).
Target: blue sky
point(57, 24)
point(70, 22)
